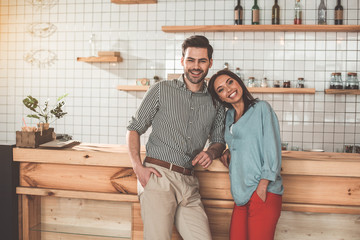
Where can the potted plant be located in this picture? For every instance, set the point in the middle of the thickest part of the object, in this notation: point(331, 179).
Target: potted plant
point(45, 114)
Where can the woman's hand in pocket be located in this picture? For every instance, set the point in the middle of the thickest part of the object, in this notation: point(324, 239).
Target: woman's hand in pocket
point(261, 189)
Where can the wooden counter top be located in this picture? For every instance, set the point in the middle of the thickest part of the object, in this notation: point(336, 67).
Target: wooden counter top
point(314, 182)
point(312, 179)
point(117, 155)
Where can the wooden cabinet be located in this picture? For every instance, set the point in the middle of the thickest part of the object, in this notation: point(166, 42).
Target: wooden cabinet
point(89, 192)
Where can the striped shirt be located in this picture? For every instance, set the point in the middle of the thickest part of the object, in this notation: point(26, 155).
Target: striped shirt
point(182, 121)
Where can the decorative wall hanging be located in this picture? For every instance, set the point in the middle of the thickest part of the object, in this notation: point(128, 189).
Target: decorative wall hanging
point(43, 3)
point(41, 58)
point(42, 29)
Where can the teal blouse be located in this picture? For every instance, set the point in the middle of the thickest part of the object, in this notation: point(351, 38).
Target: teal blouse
point(255, 147)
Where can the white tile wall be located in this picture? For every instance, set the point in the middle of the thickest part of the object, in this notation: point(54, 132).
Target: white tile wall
point(99, 113)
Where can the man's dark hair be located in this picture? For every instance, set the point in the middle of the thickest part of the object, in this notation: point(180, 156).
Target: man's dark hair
point(197, 41)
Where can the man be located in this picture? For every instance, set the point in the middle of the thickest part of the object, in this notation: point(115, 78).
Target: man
point(183, 118)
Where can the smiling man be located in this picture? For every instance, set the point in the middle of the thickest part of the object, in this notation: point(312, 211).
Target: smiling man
point(183, 118)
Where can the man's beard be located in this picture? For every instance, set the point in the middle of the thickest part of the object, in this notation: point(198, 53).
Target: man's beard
point(196, 80)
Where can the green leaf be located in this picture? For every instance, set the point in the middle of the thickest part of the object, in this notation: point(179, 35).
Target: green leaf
point(31, 103)
point(43, 113)
point(33, 116)
point(61, 97)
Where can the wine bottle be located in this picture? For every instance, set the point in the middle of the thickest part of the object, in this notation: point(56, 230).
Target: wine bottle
point(322, 12)
point(339, 13)
point(255, 14)
point(275, 19)
point(238, 13)
point(298, 13)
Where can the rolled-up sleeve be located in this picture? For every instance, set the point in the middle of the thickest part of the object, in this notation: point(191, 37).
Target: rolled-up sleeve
point(147, 110)
point(272, 147)
point(218, 126)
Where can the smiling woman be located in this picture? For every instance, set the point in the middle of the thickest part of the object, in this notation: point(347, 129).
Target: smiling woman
point(253, 157)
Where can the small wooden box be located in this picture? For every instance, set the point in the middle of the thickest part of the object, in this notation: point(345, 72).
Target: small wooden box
point(33, 139)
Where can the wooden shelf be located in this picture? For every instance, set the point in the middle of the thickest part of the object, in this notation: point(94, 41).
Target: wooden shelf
point(100, 59)
point(262, 28)
point(132, 88)
point(252, 90)
point(133, 1)
point(282, 90)
point(342, 91)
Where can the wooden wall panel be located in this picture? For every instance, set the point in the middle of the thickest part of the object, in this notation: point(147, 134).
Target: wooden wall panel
point(214, 185)
point(317, 226)
point(78, 177)
point(322, 190)
point(101, 218)
point(31, 216)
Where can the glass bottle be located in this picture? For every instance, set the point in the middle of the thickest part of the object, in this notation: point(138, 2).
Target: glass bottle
point(339, 13)
point(298, 13)
point(322, 12)
point(239, 73)
point(92, 46)
point(238, 14)
point(301, 83)
point(264, 83)
point(251, 82)
point(255, 14)
point(275, 17)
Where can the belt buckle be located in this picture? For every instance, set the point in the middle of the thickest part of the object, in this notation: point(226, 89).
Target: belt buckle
point(191, 171)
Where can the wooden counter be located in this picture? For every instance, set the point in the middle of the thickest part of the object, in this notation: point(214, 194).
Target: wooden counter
point(324, 185)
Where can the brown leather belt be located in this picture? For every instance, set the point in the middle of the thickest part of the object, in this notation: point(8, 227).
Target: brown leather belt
point(172, 167)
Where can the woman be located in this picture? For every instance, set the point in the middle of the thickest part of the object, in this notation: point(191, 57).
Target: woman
point(254, 146)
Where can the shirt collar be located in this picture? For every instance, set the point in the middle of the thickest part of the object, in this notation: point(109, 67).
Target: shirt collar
point(182, 84)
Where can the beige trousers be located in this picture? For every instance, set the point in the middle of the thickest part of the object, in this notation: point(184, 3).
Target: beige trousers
point(172, 198)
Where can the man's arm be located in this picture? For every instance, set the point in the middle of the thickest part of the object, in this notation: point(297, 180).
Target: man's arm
point(133, 144)
point(205, 158)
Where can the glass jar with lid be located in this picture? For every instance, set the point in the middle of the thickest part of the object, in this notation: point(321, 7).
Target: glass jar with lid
point(333, 81)
point(339, 82)
point(251, 82)
point(352, 81)
point(301, 83)
point(286, 84)
point(276, 83)
point(264, 83)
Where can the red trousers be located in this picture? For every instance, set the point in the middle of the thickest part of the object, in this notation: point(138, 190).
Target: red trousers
point(256, 220)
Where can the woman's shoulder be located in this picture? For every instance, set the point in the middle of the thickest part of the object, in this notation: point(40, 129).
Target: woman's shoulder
point(262, 105)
